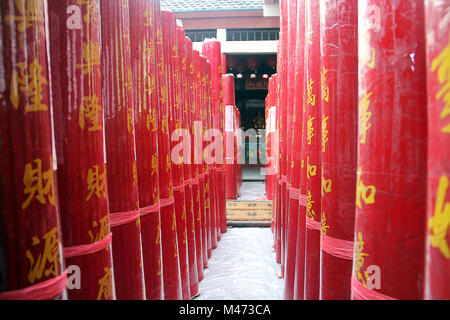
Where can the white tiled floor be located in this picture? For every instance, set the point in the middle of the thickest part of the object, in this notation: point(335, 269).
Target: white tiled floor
point(243, 267)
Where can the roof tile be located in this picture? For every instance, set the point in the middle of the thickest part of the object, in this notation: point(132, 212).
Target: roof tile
point(206, 5)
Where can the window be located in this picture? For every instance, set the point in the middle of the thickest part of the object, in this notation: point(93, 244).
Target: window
point(253, 35)
point(201, 35)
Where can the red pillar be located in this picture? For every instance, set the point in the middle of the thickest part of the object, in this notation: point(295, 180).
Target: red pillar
point(437, 259)
point(80, 149)
point(29, 218)
point(390, 193)
point(146, 105)
point(313, 151)
point(339, 39)
point(120, 150)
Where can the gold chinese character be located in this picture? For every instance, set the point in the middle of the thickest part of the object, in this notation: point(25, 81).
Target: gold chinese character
point(165, 125)
point(154, 165)
point(176, 250)
point(105, 283)
point(309, 204)
point(159, 268)
point(30, 80)
point(174, 222)
point(325, 88)
point(364, 116)
point(102, 231)
point(130, 125)
point(47, 261)
point(325, 227)
point(168, 167)
point(135, 177)
point(151, 121)
point(38, 184)
point(366, 192)
point(163, 91)
point(310, 129)
point(150, 84)
point(324, 133)
point(359, 260)
point(439, 224)
point(311, 96)
point(96, 183)
point(311, 171)
point(148, 18)
point(90, 110)
point(91, 58)
point(442, 65)
point(91, 17)
point(158, 233)
point(326, 186)
point(31, 14)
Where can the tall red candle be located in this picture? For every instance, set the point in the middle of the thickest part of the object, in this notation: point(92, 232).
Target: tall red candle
point(390, 195)
point(313, 151)
point(175, 122)
point(120, 150)
point(82, 175)
point(146, 105)
point(437, 259)
point(291, 126)
point(339, 41)
point(30, 229)
point(230, 159)
point(196, 156)
point(185, 81)
point(170, 262)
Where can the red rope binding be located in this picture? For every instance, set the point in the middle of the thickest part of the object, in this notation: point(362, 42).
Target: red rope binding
point(303, 200)
point(40, 291)
point(313, 225)
point(362, 293)
point(294, 193)
point(150, 209)
point(180, 187)
point(336, 247)
point(121, 218)
point(86, 249)
point(167, 202)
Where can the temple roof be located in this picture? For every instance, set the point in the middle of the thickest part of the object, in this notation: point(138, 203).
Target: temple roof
point(211, 5)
